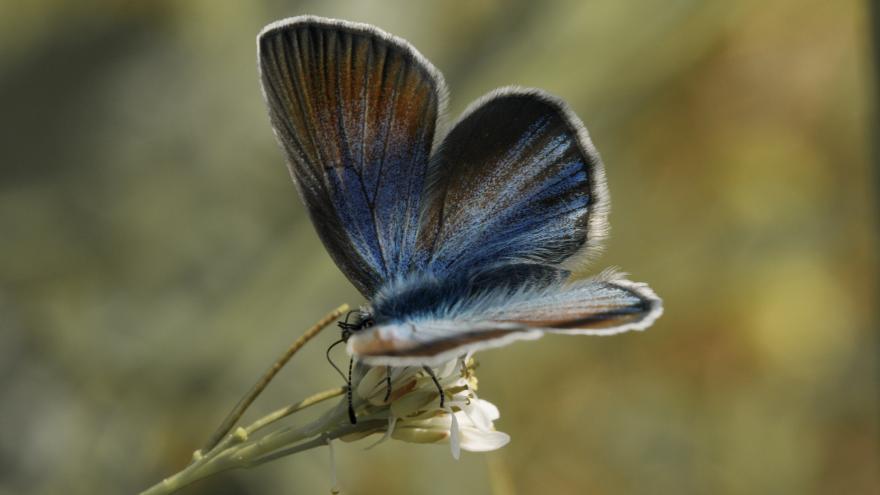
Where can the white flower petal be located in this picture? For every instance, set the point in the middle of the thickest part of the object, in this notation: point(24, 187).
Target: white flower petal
point(454, 437)
point(435, 421)
point(373, 384)
point(474, 440)
point(478, 415)
point(419, 435)
point(399, 375)
point(415, 401)
point(488, 409)
point(451, 368)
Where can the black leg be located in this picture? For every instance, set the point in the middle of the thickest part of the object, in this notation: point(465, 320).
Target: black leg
point(437, 383)
point(351, 415)
point(387, 384)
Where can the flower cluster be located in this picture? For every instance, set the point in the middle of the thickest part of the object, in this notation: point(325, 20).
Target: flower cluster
point(409, 399)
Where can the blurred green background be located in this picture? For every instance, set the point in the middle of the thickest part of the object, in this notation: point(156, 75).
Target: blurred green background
point(154, 257)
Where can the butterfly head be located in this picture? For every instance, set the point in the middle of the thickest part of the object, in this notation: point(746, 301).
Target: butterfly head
point(355, 321)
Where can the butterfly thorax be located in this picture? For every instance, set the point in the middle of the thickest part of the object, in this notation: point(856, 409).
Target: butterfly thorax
point(427, 295)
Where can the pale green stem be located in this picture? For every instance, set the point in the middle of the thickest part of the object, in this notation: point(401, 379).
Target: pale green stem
point(287, 436)
point(235, 451)
point(248, 399)
point(361, 426)
point(287, 411)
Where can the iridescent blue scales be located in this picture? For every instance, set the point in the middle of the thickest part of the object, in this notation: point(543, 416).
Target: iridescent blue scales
point(460, 241)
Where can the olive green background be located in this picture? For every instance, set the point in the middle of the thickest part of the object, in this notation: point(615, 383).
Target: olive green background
point(154, 258)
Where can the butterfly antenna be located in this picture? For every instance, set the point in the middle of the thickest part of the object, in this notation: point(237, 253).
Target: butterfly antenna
point(330, 360)
point(436, 382)
point(351, 415)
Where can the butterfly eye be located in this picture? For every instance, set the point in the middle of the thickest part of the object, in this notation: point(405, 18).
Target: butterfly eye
point(367, 323)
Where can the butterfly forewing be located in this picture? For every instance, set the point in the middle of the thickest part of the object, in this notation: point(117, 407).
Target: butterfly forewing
point(354, 110)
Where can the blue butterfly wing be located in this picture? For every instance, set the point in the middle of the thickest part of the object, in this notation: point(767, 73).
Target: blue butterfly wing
point(604, 305)
point(517, 180)
point(354, 110)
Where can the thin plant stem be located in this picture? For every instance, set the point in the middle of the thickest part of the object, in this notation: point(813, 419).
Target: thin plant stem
point(361, 426)
point(245, 402)
point(235, 451)
point(299, 406)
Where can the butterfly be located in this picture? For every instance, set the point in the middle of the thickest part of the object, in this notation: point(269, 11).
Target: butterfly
point(461, 239)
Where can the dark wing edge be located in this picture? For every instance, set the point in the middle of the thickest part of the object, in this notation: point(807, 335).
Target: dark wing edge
point(367, 252)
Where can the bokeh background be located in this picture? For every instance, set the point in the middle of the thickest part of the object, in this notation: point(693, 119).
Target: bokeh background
point(154, 257)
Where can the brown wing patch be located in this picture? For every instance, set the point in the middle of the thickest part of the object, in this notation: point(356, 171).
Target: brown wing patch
point(379, 346)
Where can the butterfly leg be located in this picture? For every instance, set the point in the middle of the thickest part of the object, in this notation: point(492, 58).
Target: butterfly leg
point(437, 383)
point(387, 384)
point(351, 415)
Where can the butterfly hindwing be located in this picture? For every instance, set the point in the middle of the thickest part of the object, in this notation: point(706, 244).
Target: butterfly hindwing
point(354, 110)
point(604, 305)
point(516, 180)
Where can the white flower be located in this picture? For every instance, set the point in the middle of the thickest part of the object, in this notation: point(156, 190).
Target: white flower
point(413, 411)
